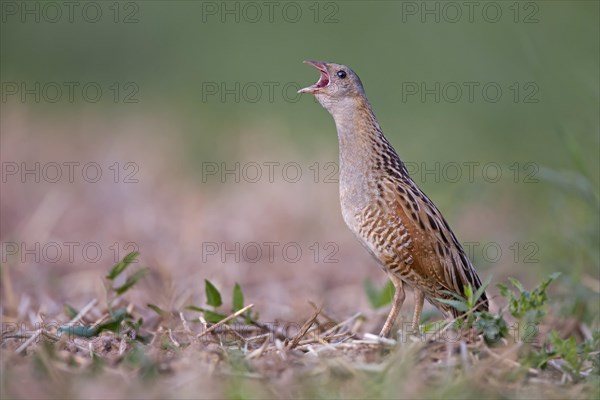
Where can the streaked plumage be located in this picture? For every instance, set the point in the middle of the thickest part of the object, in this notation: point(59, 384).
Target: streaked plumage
point(383, 206)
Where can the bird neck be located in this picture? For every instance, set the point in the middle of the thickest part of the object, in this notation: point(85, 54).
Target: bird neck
point(363, 147)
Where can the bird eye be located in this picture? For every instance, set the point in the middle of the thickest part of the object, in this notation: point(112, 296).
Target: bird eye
point(341, 74)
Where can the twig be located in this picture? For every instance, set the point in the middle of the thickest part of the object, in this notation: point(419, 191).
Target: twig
point(225, 320)
point(122, 347)
point(304, 343)
point(304, 329)
point(37, 333)
point(235, 333)
point(55, 338)
point(277, 333)
point(281, 350)
point(326, 316)
point(100, 320)
point(239, 329)
point(326, 345)
point(82, 312)
point(175, 342)
point(41, 331)
point(31, 339)
point(345, 322)
point(328, 338)
point(186, 327)
point(264, 335)
point(258, 352)
point(375, 339)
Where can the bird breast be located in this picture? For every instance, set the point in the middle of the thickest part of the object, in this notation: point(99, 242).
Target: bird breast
point(371, 218)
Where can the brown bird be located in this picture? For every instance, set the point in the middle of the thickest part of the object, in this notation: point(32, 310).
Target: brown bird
point(397, 223)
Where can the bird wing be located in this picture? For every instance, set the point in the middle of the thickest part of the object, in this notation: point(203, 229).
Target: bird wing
point(439, 259)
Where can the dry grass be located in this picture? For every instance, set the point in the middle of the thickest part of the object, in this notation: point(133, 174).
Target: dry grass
point(322, 358)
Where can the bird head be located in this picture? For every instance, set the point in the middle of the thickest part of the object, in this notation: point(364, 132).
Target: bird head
point(338, 86)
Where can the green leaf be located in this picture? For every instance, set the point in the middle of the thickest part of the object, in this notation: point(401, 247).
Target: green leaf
point(493, 327)
point(379, 297)
point(469, 294)
point(371, 292)
point(132, 280)
point(386, 294)
point(526, 304)
point(114, 323)
point(209, 316)
point(459, 305)
point(238, 298)
point(111, 325)
point(455, 295)
point(120, 314)
point(548, 281)
point(156, 309)
point(81, 331)
point(555, 275)
point(481, 289)
point(213, 317)
point(517, 284)
point(213, 297)
point(567, 349)
point(120, 267)
point(503, 289)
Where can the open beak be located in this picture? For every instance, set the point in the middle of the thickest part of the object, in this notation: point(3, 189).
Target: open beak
point(323, 79)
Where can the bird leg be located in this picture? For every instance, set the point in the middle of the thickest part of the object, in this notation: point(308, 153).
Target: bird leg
point(396, 305)
point(419, 300)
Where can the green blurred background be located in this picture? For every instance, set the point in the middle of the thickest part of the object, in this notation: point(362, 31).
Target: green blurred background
point(176, 47)
point(170, 52)
point(173, 50)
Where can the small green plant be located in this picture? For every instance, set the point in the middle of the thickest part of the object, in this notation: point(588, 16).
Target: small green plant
point(117, 270)
point(215, 300)
point(528, 307)
point(573, 358)
point(493, 327)
point(523, 304)
point(379, 297)
point(468, 303)
point(119, 318)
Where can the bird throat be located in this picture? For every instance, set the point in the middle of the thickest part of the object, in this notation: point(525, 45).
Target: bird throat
point(363, 150)
point(362, 144)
